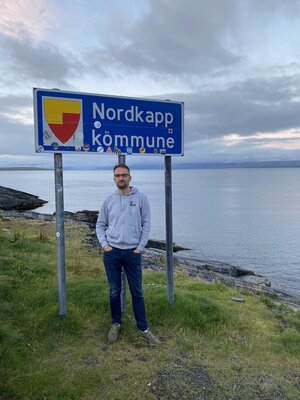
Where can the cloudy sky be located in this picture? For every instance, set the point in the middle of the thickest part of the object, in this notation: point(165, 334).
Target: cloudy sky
point(234, 63)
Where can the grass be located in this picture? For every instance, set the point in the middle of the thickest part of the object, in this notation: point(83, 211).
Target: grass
point(212, 347)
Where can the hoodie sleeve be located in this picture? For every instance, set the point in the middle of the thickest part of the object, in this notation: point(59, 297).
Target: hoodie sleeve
point(146, 223)
point(102, 224)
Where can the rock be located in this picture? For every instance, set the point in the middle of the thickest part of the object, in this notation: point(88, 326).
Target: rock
point(238, 299)
point(228, 269)
point(196, 265)
point(26, 215)
point(255, 280)
point(11, 199)
point(161, 244)
point(85, 216)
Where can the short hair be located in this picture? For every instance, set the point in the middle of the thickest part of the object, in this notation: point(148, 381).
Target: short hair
point(121, 166)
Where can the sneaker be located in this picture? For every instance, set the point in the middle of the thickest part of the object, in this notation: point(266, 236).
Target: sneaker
point(149, 337)
point(114, 332)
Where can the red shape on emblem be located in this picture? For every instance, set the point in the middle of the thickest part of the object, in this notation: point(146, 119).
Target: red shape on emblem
point(65, 130)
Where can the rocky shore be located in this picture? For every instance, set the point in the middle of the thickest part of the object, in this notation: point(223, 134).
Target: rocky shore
point(154, 256)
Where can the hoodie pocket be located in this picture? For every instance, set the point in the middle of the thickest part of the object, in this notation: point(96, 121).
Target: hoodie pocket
point(113, 233)
point(134, 234)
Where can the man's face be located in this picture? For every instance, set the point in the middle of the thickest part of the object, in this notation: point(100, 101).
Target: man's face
point(122, 178)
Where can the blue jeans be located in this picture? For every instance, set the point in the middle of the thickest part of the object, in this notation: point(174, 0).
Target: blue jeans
point(114, 260)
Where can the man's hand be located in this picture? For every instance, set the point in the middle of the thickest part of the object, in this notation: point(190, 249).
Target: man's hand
point(137, 251)
point(107, 248)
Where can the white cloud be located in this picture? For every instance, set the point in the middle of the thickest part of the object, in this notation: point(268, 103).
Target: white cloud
point(235, 138)
point(22, 116)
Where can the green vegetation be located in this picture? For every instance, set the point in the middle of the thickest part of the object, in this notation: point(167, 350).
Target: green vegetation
point(212, 347)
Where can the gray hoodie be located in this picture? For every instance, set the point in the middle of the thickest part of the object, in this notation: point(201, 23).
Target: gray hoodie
point(124, 221)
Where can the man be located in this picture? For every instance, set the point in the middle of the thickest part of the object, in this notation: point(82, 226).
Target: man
point(123, 229)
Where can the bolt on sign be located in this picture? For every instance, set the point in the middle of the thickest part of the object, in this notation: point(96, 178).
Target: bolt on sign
point(67, 122)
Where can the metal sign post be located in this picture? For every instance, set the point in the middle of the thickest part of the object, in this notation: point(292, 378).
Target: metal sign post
point(60, 235)
point(169, 228)
point(122, 160)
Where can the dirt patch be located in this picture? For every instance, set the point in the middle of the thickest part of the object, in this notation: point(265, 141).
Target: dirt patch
point(91, 362)
point(260, 388)
point(181, 382)
point(294, 377)
point(269, 389)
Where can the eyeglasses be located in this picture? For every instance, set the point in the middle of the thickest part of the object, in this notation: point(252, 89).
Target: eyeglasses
point(121, 175)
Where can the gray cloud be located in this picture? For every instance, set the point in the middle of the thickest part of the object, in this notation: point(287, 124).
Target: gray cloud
point(10, 102)
point(38, 61)
point(175, 37)
point(192, 37)
point(289, 8)
point(252, 106)
point(16, 138)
